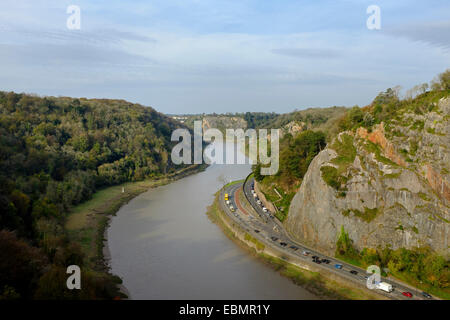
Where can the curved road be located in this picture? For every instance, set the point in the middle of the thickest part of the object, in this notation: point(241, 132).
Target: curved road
point(267, 229)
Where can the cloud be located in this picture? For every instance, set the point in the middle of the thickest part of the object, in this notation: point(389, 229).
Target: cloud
point(204, 55)
point(95, 36)
point(434, 33)
point(54, 55)
point(308, 53)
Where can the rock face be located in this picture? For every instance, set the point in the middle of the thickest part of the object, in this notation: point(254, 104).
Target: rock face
point(293, 128)
point(223, 122)
point(394, 191)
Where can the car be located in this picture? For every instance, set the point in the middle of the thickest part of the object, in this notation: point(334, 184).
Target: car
point(338, 266)
point(293, 248)
point(256, 230)
point(258, 201)
point(353, 272)
point(407, 294)
point(426, 295)
point(317, 261)
point(274, 238)
point(305, 253)
point(264, 209)
point(315, 257)
point(326, 261)
point(284, 244)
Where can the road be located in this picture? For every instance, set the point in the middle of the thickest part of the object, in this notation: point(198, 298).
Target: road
point(265, 227)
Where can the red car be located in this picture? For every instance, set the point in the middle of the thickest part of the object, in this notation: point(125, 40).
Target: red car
point(407, 294)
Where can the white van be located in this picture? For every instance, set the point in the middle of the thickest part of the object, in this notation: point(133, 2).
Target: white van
point(385, 286)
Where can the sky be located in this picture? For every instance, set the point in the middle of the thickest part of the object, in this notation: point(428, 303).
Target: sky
point(195, 56)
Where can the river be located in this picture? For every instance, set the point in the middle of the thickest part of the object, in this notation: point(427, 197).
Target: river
point(163, 246)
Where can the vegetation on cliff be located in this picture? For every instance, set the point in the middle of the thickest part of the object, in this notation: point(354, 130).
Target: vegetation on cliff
point(388, 172)
point(420, 267)
point(296, 153)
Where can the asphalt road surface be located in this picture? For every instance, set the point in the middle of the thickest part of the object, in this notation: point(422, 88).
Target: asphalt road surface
point(267, 229)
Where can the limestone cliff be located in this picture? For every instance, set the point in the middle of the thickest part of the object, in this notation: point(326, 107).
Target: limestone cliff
point(389, 186)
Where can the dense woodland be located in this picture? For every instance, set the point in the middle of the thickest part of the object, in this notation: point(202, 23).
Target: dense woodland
point(55, 153)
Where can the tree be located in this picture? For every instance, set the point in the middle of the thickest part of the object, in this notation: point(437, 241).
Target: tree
point(20, 264)
point(344, 245)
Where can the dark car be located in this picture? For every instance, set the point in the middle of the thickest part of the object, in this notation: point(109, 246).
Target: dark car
point(354, 272)
point(317, 261)
point(426, 295)
point(326, 261)
point(293, 248)
point(315, 257)
point(284, 244)
point(274, 238)
point(256, 230)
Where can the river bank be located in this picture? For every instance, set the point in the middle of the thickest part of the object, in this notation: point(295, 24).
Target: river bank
point(318, 283)
point(87, 223)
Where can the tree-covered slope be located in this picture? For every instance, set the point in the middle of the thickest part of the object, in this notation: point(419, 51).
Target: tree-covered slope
point(55, 153)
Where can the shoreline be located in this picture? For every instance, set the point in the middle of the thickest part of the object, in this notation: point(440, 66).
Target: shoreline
point(95, 215)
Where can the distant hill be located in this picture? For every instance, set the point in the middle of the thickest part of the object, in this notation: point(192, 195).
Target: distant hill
point(323, 119)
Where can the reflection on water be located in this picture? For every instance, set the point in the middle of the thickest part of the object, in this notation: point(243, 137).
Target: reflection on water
point(163, 246)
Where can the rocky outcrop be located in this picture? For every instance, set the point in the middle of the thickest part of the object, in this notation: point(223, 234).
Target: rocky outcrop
point(378, 137)
point(293, 128)
point(393, 192)
point(223, 122)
